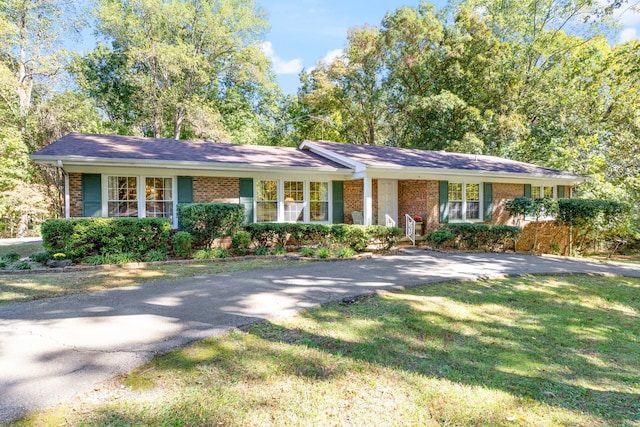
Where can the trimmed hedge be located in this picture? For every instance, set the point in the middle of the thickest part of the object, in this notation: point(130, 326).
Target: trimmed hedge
point(209, 221)
point(80, 238)
point(475, 236)
point(357, 237)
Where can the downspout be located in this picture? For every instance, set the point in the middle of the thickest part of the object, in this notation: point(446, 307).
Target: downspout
point(67, 201)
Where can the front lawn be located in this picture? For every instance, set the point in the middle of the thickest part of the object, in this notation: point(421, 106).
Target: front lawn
point(541, 351)
point(26, 287)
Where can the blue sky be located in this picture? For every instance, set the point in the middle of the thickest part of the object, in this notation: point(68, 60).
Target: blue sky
point(305, 31)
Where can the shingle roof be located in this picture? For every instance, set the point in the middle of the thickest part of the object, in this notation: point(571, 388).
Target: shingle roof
point(392, 157)
point(114, 147)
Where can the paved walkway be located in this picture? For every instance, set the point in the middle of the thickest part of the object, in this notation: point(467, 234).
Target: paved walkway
point(52, 350)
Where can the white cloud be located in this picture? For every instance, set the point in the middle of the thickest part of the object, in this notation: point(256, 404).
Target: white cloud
point(281, 66)
point(629, 16)
point(628, 34)
point(331, 55)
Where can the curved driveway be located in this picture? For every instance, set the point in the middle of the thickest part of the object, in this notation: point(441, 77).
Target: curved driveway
point(54, 349)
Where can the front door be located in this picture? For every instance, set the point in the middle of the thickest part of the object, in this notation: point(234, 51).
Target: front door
point(387, 200)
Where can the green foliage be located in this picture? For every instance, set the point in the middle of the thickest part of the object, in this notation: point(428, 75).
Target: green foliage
point(3, 264)
point(346, 252)
point(307, 252)
point(241, 241)
point(120, 258)
point(279, 250)
point(384, 237)
point(596, 220)
point(155, 255)
point(41, 257)
point(475, 236)
point(440, 237)
point(21, 265)
point(11, 256)
point(93, 260)
point(80, 238)
point(182, 244)
point(211, 253)
point(262, 250)
point(323, 252)
point(209, 221)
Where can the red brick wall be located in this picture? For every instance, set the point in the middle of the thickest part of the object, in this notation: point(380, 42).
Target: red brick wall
point(75, 195)
point(412, 200)
point(501, 194)
point(216, 190)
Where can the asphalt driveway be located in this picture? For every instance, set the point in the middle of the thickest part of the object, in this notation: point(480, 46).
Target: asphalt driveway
point(54, 349)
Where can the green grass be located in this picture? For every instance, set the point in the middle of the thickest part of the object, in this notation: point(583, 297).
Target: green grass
point(16, 288)
point(24, 249)
point(529, 351)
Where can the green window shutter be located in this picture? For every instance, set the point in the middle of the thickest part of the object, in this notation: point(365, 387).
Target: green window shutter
point(561, 192)
point(337, 188)
point(527, 190)
point(488, 201)
point(246, 198)
point(444, 201)
point(185, 189)
point(91, 195)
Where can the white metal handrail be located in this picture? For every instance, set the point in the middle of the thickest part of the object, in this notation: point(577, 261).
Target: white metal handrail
point(389, 222)
point(411, 228)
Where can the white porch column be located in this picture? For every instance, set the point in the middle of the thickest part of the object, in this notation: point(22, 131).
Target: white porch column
point(367, 211)
point(67, 202)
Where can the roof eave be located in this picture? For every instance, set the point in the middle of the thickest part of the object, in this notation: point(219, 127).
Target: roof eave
point(175, 164)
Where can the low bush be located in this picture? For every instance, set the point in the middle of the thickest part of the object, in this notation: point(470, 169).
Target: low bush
point(485, 237)
point(155, 255)
point(3, 264)
point(80, 238)
point(123, 258)
point(262, 250)
point(308, 252)
point(11, 257)
point(241, 241)
point(21, 265)
point(210, 253)
point(279, 250)
point(93, 260)
point(209, 221)
point(346, 253)
point(182, 244)
point(40, 257)
point(323, 252)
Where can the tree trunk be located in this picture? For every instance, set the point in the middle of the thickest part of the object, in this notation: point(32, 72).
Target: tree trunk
point(23, 226)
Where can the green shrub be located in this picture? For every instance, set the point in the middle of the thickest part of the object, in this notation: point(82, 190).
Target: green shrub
point(262, 250)
point(21, 265)
point(211, 253)
point(80, 238)
point(155, 255)
point(123, 258)
point(385, 237)
point(440, 237)
point(323, 252)
point(93, 260)
point(475, 236)
point(3, 264)
point(182, 244)
point(11, 257)
point(279, 250)
point(241, 241)
point(346, 253)
point(209, 221)
point(308, 252)
point(40, 257)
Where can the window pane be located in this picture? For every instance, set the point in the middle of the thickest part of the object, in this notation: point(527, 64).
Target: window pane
point(455, 210)
point(535, 192)
point(455, 191)
point(472, 192)
point(266, 211)
point(319, 201)
point(122, 196)
point(473, 210)
point(548, 192)
point(267, 190)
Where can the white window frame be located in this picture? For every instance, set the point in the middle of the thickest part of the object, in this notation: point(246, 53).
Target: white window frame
point(141, 195)
point(280, 202)
point(464, 218)
point(543, 217)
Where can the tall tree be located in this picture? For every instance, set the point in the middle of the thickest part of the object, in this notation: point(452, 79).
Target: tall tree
point(171, 59)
